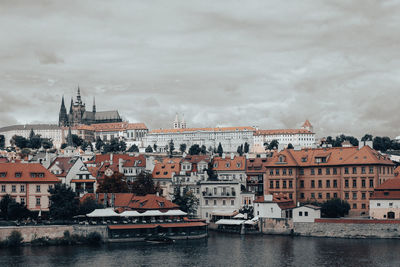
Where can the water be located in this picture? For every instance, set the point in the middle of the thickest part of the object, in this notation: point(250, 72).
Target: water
point(218, 250)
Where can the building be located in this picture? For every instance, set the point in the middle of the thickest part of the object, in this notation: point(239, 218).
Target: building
point(306, 213)
point(129, 132)
point(273, 206)
point(229, 137)
point(74, 173)
point(27, 183)
point(163, 174)
point(303, 137)
point(79, 115)
point(230, 167)
point(385, 201)
point(349, 173)
point(255, 175)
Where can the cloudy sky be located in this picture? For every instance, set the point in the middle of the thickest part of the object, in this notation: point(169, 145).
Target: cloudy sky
point(272, 64)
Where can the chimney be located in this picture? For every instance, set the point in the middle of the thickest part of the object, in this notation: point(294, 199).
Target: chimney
point(223, 155)
point(111, 159)
point(232, 156)
point(267, 197)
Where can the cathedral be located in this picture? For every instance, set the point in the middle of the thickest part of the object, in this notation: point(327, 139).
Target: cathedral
point(78, 114)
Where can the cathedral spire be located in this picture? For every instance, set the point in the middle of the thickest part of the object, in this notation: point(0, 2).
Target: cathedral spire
point(69, 138)
point(78, 95)
point(70, 107)
point(62, 116)
point(94, 104)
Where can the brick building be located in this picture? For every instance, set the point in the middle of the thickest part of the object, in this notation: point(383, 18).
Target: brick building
point(349, 173)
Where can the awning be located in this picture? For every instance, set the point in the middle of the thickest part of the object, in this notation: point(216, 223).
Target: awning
point(251, 222)
point(239, 216)
point(130, 213)
point(230, 222)
point(175, 213)
point(103, 213)
point(224, 213)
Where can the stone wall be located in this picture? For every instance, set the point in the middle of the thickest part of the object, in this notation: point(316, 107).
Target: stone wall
point(280, 226)
point(52, 231)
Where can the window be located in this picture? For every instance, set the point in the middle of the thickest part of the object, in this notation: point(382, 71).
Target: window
point(328, 183)
point(277, 171)
point(215, 191)
point(334, 183)
point(354, 206)
point(346, 195)
point(319, 171)
point(363, 206)
point(301, 171)
point(284, 172)
point(354, 195)
point(390, 204)
point(334, 171)
point(312, 184)
point(284, 184)
point(3, 188)
point(13, 188)
point(271, 184)
point(22, 188)
point(300, 213)
point(22, 201)
point(3, 174)
point(319, 195)
point(334, 195)
point(319, 183)
point(328, 195)
point(328, 171)
point(313, 195)
point(290, 195)
point(215, 202)
point(301, 184)
point(38, 201)
point(363, 196)
point(306, 213)
point(371, 182)
point(312, 172)
point(363, 183)
point(233, 202)
point(206, 202)
point(276, 184)
point(378, 204)
point(354, 183)
point(346, 170)
point(371, 169)
point(302, 195)
point(290, 184)
point(223, 202)
point(18, 175)
point(354, 170)
point(363, 170)
point(290, 172)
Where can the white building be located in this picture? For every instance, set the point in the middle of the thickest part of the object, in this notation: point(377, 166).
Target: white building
point(385, 201)
point(269, 206)
point(126, 131)
point(306, 213)
point(303, 137)
point(229, 137)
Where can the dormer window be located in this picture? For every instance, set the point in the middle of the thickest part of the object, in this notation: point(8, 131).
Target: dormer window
point(3, 174)
point(161, 204)
point(304, 159)
point(215, 165)
point(281, 158)
point(18, 175)
point(165, 173)
point(238, 164)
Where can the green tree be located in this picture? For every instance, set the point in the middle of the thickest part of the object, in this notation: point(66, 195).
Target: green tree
point(187, 201)
point(63, 145)
point(367, 137)
point(148, 149)
point(203, 149)
point(194, 149)
point(2, 141)
point(144, 184)
point(171, 148)
point(116, 183)
point(155, 148)
point(88, 205)
point(212, 176)
point(14, 239)
point(122, 146)
point(47, 143)
point(240, 150)
point(220, 150)
point(17, 211)
point(182, 148)
point(76, 140)
point(99, 143)
point(64, 203)
point(4, 204)
point(133, 148)
point(273, 145)
point(290, 146)
point(334, 208)
point(20, 141)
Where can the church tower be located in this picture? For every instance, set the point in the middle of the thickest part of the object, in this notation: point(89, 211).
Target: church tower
point(176, 122)
point(62, 116)
point(183, 122)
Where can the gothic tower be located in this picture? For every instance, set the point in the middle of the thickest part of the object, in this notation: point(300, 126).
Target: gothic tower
point(176, 122)
point(62, 116)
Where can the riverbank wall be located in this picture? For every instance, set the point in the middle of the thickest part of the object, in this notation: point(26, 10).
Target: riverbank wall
point(339, 228)
point(30, 233)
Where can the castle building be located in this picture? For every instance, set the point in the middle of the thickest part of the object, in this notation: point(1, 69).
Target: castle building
point(79, 115)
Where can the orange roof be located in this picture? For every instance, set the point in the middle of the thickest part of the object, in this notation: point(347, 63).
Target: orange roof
point(166, 168)
point(138, 161)
point(397, 171)
point(390, 189)
point(333, 156)
point(64, 163)
point(28, 172)
point(83, 127)
point(281, 199)
point(218, 129)
point(238, 163)
point(307, 124)
point(118, 126)
point(282, 131)
point(83, 180)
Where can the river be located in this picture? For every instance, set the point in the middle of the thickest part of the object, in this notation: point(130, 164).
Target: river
point(218, 250)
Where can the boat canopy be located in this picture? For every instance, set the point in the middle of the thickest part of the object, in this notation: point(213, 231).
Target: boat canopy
point(109, 212)
point(230, 222)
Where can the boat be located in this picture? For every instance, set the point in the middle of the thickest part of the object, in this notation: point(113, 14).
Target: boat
point(159, 240)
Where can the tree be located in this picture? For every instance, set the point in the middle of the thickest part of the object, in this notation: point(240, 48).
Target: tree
point(122, 145)
point(63, 202)
point(76, 140)
point(382, 143)
point(133, 148)
point(240, 150)
point(148, 149)
point(2, 141)
point(273, 145)
point(290, 146)
point(144, 184)
point(186, 201)
point(194, 149)
point(212, 176)
point(88, 205)
point(47, 143)
point(246, 147)
point(334, 208)
point(220, 150)
point(116, 183)
point(367, 137)
point(182, 148)
point(203, 149)
point(4, 203)
point(171, 148)
point(17, 211)
point(20, 141)
point(155, 148)
point(99, 143)
point(63, 145)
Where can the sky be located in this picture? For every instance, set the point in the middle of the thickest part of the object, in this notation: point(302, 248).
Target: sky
point(271, 64)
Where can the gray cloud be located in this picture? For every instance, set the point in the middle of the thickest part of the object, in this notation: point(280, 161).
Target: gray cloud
point(266, 63)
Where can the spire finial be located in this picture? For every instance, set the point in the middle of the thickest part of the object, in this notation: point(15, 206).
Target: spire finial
point(94, 104)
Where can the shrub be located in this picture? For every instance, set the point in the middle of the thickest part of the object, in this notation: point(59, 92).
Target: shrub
point(14, 239)
point(94, 238)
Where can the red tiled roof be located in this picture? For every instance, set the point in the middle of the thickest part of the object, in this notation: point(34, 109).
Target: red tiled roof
point(282, 200)
point(138, 161)
point(83, 180)
point(166, 168)
point(117, 126)
point(238, 163)
point(282, 131)
point(390, 189)
point(218, 129)
point(25, 170)
point(64, 163)
point(307, 124)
